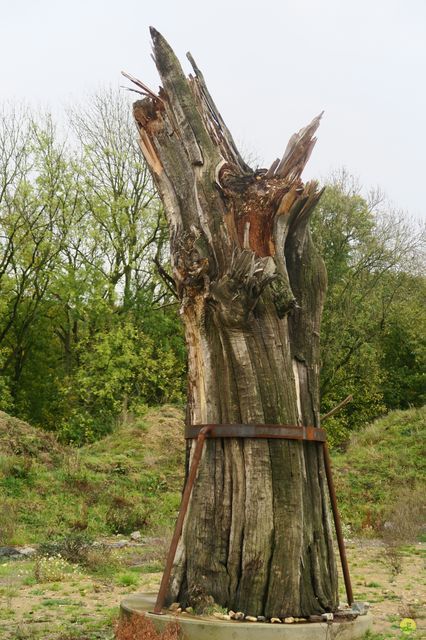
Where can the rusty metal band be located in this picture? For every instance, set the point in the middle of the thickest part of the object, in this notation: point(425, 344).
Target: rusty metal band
point(266, 431)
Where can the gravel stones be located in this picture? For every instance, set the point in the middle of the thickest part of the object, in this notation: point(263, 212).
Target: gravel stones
point(136, 536)
point(327, 617)
point(361, 608)
point(343, 614)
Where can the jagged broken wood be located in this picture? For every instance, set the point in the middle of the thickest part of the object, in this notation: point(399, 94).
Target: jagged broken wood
point(257, 537)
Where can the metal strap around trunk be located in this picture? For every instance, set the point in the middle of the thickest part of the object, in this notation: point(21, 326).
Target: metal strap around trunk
point(266, 431)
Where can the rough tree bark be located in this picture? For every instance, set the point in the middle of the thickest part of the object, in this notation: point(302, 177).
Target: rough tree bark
point(257, 537)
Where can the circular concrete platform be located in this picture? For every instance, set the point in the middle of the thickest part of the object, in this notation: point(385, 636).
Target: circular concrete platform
point(197, 628)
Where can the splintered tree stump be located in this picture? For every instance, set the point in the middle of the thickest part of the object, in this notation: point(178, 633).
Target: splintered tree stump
point(257, 536)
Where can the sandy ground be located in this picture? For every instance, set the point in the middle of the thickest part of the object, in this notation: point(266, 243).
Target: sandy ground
point(391, 597)
point(82, 606)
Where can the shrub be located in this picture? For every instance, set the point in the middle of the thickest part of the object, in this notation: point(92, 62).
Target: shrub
point(78, 548)
point(141, 628)
point(125, 516)
point(403, 525)
point(73, 547)
point(52, 569)
point(7, 520)
point(405, 519)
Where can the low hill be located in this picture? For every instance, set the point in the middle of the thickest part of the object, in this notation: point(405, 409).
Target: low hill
point(18, 438)
point(132, 479)
point(129, 480)
point(382, 474)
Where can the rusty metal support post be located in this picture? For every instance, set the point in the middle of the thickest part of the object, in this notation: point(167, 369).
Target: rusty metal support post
point(180, 519)
point(334, 508)
point(338, 525)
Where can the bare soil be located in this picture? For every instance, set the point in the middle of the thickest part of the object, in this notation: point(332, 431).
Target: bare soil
point(84, 606)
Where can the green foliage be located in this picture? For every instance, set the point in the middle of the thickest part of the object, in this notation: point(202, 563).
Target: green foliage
point(87, 329)
point(73, 547)
point(373, 330)
point(403, 348)
point(125, 516)
point(127, 580)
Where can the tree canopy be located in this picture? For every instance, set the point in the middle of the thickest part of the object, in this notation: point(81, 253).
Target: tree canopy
point(89, 328)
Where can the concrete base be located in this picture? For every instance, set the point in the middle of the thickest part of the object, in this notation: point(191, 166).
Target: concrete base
point(198, 628)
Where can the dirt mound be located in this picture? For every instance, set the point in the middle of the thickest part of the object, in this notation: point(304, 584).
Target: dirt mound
point(18, 438)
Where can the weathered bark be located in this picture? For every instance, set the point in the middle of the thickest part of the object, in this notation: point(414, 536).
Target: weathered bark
point(257, 537)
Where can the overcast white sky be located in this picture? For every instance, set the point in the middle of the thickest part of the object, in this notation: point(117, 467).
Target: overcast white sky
point(271, 65)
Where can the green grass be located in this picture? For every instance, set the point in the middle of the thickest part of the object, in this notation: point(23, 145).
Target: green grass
point(129, 480)
point(381, 462)
point(127, 580)
point(132, 479)
point(59, 602)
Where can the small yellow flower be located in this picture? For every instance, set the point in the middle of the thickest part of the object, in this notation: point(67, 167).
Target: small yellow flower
point(407, 625)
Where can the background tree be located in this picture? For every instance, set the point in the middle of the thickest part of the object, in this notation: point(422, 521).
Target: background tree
point(34, 206)
point(374, 263)
point(80, 230)
point(79, 297)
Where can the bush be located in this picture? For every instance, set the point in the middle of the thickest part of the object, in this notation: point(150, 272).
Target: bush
point(141, 628)
point(101, 559)
point(125, 516)
point(73, 547)
point(405, 519)
point(7, 521)
point(403, 525)
point(52, 569)
point(78, 548)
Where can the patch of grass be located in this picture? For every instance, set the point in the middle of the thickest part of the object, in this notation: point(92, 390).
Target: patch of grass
point(127, 481)
point(8, 512)
point(382, 461)
point(154, 567)
point(370, 635)
point(58, 602)
point(15, 568)
point(127, 580)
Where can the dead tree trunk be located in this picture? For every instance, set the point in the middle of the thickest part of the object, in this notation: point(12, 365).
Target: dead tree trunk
point(257, 537)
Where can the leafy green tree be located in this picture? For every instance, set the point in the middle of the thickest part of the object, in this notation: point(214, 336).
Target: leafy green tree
point(370, 253)
point(89, 325)
point(403, 347)
point(81, 241)
point(34, 205)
